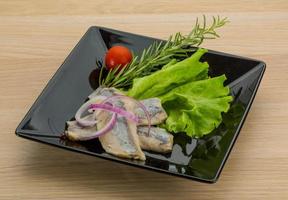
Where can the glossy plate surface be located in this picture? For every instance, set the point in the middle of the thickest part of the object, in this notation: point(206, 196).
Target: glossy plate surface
point(199, 159)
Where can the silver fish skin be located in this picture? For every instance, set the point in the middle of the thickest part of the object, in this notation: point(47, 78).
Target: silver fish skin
point(158, 140)
point(105, 92)
point(153, 106)
point(155, 110)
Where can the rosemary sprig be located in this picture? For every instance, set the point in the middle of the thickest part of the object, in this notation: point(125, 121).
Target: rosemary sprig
point(160, 53)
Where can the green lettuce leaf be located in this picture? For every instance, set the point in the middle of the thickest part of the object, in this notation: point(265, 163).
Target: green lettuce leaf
point(196, 107)
point(171, 63)
point(193, 101)
point(170, 77)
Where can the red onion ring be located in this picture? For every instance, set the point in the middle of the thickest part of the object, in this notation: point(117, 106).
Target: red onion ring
point(109, 126)
point(142, 106)
point(87, 105)
point(84, 108)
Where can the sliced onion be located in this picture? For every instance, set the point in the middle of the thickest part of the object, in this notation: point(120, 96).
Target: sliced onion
point(87, 105)
point(84, 108)
point(114, 109)
point(80, 137)
point(141, 105)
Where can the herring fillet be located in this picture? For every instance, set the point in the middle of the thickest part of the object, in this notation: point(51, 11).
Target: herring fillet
point(127, 139)
point(153, 106)
point(155, 110)
point(75, 132)
point(158, 140)
point(122, 140)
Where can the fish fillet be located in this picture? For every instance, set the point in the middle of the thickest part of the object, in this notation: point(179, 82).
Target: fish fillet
point(122, 140)
point(155, 110)
point(158, 140)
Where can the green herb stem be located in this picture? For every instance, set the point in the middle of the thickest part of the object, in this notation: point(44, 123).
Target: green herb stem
point(160, 53)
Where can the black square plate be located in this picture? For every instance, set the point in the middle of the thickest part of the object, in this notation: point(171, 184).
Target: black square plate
point(200, 159)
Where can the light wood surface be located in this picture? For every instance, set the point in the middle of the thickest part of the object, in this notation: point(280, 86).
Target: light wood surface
point(36, 36)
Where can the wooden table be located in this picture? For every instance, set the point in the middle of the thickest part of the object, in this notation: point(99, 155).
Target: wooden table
point(36, 36)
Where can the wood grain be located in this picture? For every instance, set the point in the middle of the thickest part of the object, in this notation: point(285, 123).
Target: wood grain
point(36, 36)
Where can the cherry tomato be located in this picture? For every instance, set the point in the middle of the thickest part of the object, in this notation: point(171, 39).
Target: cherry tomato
point(117, 56)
